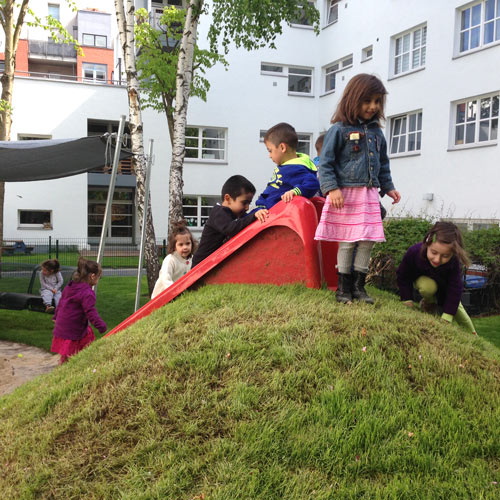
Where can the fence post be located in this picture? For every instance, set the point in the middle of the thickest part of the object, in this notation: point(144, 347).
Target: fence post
point(57, 249)
point(164, 249)
point(50, 247)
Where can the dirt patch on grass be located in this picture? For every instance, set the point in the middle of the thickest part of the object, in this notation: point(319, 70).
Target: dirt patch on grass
point(20, 363)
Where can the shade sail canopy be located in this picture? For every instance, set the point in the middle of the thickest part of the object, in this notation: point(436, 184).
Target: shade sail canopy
point(40, 160)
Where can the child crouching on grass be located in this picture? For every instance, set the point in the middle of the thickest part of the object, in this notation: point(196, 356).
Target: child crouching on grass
point(76, 310)
point(433, 267)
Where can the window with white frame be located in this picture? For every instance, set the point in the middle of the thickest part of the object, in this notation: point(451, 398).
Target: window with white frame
point(205, 143)
point(303, 20)
point(479, 25)
point(299, 78)
point(303, 144)
point(33, 137)
point(53, 10)
point(196, 209)
point(96, 73)
point(367, 53)
point(332, 69)
point(406, 133)
point(94, 40)
point(332, 11)
point(409, 50)
point(35, 219)
point(2, 66)
point(476, 120)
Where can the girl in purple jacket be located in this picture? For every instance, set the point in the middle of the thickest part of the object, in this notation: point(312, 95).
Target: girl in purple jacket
point(76, 310)
point(433, 267)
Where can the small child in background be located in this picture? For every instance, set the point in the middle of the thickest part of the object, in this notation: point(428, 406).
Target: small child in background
point(76, 310)
point(229, 217)
point(295, 174)
point(51, 281)
point(433, 267)
point(177, 263)
point(353, 165)
point(318, 146)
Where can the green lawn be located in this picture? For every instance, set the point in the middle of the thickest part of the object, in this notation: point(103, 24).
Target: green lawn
point(71, 259)
point(262, 393)
point(489, 328)
point(115, 302)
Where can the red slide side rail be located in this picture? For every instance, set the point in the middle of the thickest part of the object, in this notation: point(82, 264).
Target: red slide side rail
point(279, 251)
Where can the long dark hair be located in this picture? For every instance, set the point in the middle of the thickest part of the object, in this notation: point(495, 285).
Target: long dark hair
point(179, 228)
point(360, 88)
point(85, 269)
point(51, 265)
point(449, 234)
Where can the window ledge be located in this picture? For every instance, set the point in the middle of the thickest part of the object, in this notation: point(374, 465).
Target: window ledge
point(302, 26)
point(300, 94)
point(477, 49)
point(270, 73)
point(38, 228)
point(369, 59)
point(205, 160)
point(473, 146)
point(328, 93)
point(330, 24)
point(410, 72)
point(404, 155)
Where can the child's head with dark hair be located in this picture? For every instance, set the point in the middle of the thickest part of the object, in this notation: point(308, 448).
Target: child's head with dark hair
point(442, 242)
point(237, 193)
point(50, 266)
point(282, 133)
point(362, 91)
point(319, 144)
point(88, 271)
point(181, 240)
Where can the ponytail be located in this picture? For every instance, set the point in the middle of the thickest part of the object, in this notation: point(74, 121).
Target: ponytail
point(85, 269)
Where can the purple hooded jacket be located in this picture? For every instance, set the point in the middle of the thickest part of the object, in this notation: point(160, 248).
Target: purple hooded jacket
point(447, 276)
point(75, 310)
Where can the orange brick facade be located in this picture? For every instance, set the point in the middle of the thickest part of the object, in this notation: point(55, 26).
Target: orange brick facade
point(21, 57)
point(94, 55)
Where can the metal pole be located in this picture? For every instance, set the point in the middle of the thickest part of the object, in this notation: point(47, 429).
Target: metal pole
point(111, 189)
point(144, 220)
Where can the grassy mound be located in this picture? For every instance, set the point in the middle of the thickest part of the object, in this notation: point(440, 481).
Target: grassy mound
point(259, 392)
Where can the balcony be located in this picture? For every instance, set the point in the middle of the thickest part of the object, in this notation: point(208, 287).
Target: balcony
point(51, 50)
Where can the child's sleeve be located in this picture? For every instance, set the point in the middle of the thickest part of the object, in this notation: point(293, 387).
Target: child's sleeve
point(88, 304)
point(165, 279)
point(59, 281)
point(330, 153)
point(231, 227)
point(454, 289)
point(43, 282)
point(305, 183)
point(405, 276)
point(384, 176)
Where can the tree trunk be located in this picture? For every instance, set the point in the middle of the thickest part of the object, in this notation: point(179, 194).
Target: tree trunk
point(125, 18)
point(184, 78)
point(12, 31)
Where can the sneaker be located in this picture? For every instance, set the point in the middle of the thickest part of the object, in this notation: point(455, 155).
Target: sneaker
point(50, 309)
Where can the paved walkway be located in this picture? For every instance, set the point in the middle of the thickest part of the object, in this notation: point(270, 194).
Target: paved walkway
point(20, 363)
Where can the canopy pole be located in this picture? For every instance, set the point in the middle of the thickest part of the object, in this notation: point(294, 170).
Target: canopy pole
point(111, 190)
point(144, 223)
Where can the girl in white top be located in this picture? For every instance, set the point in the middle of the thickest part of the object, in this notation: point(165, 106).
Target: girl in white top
point(177, 263)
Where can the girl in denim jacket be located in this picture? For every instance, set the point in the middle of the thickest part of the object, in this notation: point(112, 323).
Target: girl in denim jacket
point(353, 166)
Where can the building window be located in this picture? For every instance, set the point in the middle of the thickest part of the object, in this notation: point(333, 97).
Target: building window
point(196, 209)
point(96, 73)
point(367, 53)
point(33, 137)
point(409, 50)
point(476, 120)
point(303, 20)
point(406, 133)
point(35, 219)
point(299, 79)
point(54, 11)
point(94, 40)
point(332, 69)
point(479, 25)
point(122, 212)
point(332, 11)
point(204, 143)
point(2, 66)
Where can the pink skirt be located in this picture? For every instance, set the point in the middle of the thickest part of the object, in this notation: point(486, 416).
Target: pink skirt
point(359, 220)
point(66, 347)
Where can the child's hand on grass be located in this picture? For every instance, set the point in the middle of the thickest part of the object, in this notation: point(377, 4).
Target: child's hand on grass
point(262, 214)
point(288, 196)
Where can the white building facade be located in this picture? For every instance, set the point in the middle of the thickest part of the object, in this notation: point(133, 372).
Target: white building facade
point(438, 60)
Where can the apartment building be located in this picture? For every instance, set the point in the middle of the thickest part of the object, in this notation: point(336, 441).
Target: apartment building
point(438, 60)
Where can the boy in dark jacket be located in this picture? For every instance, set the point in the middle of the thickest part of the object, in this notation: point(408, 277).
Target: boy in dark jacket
point(229, 217)
point(295, 174)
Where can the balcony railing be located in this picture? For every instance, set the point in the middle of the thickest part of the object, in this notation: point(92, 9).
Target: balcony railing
point(51, 49)
point(71, 78)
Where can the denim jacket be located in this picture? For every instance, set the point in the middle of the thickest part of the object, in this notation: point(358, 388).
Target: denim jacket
point(354, 156)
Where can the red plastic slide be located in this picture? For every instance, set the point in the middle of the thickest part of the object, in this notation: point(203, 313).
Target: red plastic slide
point(279, 251)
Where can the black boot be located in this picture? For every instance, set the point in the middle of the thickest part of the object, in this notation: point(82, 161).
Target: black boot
point(343, 293)
point(358, 288)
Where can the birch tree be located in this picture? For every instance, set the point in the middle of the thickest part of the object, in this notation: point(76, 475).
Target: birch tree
point(125, 14)
point(13, 15)
point(247, 24)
